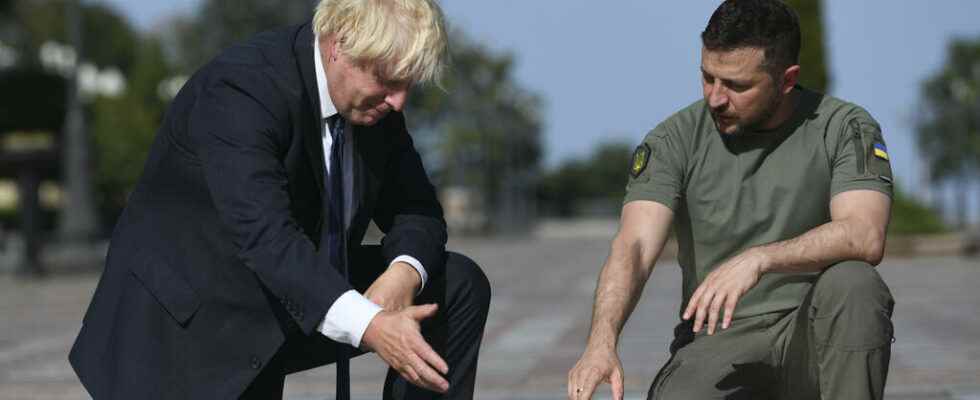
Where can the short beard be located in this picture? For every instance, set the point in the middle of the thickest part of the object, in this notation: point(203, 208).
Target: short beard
point(768, 112)
point(766, 115)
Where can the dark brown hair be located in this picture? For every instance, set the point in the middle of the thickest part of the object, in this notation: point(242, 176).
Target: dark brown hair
point(766, 24)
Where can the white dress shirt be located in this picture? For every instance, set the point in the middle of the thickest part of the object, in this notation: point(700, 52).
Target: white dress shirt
point(350, 315)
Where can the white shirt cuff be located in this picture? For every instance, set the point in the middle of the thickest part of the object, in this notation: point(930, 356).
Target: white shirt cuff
point(415, 264)
point(348, 318)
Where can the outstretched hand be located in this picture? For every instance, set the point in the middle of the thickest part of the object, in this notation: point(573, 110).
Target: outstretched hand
point(396, 337)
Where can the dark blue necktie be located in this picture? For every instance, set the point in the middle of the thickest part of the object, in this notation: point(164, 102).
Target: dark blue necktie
point(335, 197)
point(335, 237)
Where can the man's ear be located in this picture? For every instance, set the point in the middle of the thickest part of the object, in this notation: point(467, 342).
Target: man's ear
point(791, 76)
point(330, 41)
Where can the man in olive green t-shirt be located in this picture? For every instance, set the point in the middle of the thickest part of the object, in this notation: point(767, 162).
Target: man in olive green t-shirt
point(779, 197)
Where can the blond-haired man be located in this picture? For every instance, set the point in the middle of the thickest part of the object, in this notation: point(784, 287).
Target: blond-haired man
point(239, 260)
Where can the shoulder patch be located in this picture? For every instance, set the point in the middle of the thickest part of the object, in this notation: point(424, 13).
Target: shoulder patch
point(881, 151)
point(641, 157)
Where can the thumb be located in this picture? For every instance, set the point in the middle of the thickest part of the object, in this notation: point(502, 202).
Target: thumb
point(616, 381)
point(419, 313)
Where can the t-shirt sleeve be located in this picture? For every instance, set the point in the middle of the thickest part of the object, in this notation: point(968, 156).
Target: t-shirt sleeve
point(657, 169)
point(861, 160)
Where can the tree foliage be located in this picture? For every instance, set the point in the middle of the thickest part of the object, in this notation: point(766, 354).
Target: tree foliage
point(949, 128)
point(595, 185)
point(123, 128)
point(109, 40)
point(478, 125)
point(119, 128)
point(911, 217)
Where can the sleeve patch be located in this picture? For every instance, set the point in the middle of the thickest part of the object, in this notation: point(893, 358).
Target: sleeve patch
point(881, 151)
point(641, 157)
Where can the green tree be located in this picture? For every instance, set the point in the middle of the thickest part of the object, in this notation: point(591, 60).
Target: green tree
point(948, 131)
point(595, 185)
point(99, 36)
point(109, 39)
point(120, 129)
point(480, 129)
point(6, 7)
point(124, 127)
point(815, 74)
point(914, 218)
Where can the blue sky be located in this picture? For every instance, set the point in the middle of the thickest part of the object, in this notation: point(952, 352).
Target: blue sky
point(613, 72)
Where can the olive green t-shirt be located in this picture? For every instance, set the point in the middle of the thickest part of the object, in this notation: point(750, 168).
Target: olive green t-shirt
point(732, 192)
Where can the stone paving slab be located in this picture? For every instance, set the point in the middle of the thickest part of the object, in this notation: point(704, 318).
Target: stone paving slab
point(538, 326)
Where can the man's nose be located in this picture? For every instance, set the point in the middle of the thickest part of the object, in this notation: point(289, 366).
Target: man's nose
point(717, 98)
point(396, 99)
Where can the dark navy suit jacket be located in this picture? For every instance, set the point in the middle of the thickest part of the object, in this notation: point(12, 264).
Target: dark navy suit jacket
point(214, 261)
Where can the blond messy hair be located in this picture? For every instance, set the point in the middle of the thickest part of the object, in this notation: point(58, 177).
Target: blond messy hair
point(405, 40)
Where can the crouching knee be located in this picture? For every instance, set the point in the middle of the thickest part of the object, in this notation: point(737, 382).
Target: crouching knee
point(852, 306)
point(471, 284)
point(853, 283)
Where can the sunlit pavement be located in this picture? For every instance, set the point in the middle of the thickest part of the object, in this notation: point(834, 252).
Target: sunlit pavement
point(538, 325)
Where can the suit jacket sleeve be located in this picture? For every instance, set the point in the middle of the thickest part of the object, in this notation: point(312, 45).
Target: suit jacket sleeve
point(240, 125)
point(408, 210)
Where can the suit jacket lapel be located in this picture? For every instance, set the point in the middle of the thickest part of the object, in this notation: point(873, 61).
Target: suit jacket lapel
point(303, 51)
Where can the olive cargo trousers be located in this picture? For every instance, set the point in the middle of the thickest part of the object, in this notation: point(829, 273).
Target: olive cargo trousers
point(836, 345)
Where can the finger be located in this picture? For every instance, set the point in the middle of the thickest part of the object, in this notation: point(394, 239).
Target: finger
point(702, 310)
point(421, 312)
point(570, 384)
point(407, 372)
point(730, 303)
point(423, 350)
point(429, 378)
point(691, 304)
point(574, 382)
point(588, 386)
point(414, 378)
point(714, 310)
point(616, 380)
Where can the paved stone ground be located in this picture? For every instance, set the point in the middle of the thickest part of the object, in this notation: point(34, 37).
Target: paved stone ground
point(538, 326)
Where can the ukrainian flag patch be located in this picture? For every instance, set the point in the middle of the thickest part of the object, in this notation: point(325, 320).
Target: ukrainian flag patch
point(881, 151)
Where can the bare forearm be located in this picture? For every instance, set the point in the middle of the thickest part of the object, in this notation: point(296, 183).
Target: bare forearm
point(620, 286)
point(825, 245)
point(641, 237)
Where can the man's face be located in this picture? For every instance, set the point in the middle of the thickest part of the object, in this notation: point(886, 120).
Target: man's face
point(740, 92)
point(359, 93)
